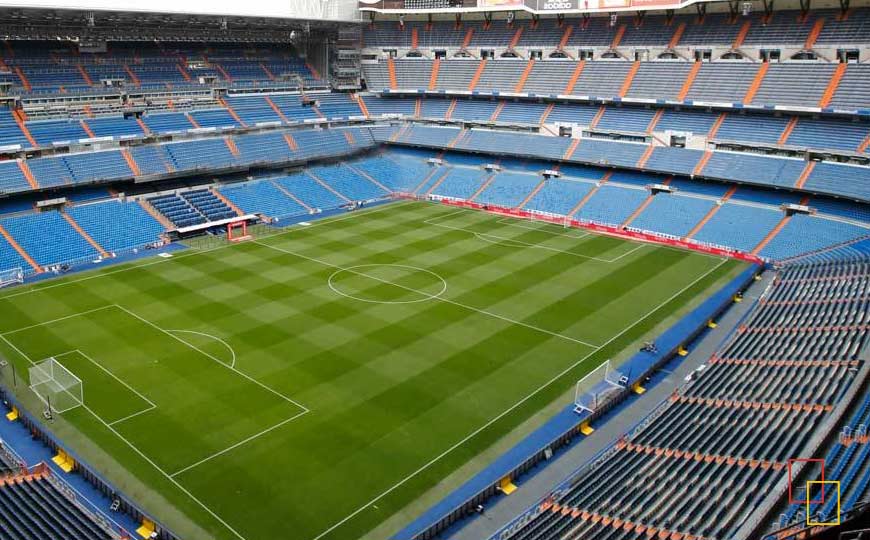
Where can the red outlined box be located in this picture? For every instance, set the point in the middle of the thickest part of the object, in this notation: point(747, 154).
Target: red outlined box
point(791, 499)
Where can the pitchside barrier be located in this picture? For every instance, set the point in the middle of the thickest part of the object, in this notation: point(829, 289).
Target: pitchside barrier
point(568, 426)
point(15, 276)
point(607, 229)
point(37, 430)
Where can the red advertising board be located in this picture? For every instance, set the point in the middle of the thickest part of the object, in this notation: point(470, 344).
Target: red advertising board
point(608, 230)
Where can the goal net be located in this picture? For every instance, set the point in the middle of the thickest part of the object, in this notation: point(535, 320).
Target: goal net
point(11, 276)
point(598, 388)
point(56, 386)
point(237, 231)
point(554, 219)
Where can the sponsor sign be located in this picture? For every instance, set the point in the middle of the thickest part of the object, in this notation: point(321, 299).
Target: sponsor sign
point(553, 5)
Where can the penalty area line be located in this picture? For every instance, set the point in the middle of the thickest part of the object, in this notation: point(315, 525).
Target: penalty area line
point(207, 355)
point(238, 444)
point(495, 239)
point(142, 454)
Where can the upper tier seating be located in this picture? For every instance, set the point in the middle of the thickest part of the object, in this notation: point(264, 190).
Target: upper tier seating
point(783, 28)
point(798, 84)
point(659, 80)
point(851, 92)
point(42, 67)
point(625, 119)
point(794, 84)
point(752, 127)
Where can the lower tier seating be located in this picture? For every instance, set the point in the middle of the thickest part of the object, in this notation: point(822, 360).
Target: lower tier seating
point(715, 450)
point(740, 217)
point(32, 508)
point(192, 207)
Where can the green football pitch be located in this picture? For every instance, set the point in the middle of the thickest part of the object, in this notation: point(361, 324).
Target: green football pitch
point(313, 383)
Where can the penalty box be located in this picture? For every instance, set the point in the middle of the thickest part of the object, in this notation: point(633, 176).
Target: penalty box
point(169, 396)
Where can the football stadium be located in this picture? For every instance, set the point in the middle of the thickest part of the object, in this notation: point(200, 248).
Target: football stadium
point(435, 269)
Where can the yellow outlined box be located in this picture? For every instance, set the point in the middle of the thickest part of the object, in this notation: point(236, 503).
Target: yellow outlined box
point(823, 483)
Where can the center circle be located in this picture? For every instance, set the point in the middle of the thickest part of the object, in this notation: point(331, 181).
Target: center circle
point(387, 283)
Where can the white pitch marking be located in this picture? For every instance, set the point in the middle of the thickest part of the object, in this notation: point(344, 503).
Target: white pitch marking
point(512, 407)
point(627, 253)
point(352, 270)
point(141, 454)
point(500, 240)
point(207, 355)
point(110, 425)
point(439, 298)
point(523, 224)
point(151, 404)
point(52, 321)
point(238, 444)
point(219, 340)
point(134, 415)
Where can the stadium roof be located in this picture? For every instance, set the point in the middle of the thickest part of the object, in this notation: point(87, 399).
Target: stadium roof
point(288, 9)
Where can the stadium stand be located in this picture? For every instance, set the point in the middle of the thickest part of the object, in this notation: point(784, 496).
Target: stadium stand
point(202, 131)
point(33, 507)
point(117, 226)
point(767, 360)
point(264, 197)
point(193, 207)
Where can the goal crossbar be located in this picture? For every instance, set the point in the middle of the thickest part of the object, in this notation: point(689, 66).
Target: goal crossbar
point(598, 387)
point(237, 231)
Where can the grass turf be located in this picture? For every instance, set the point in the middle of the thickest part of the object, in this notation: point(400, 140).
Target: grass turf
point(285, 384)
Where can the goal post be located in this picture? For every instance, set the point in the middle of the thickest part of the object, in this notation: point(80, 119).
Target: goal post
point(56, 385)
point(11, 276)
point(596, 390)
point(237, 231)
